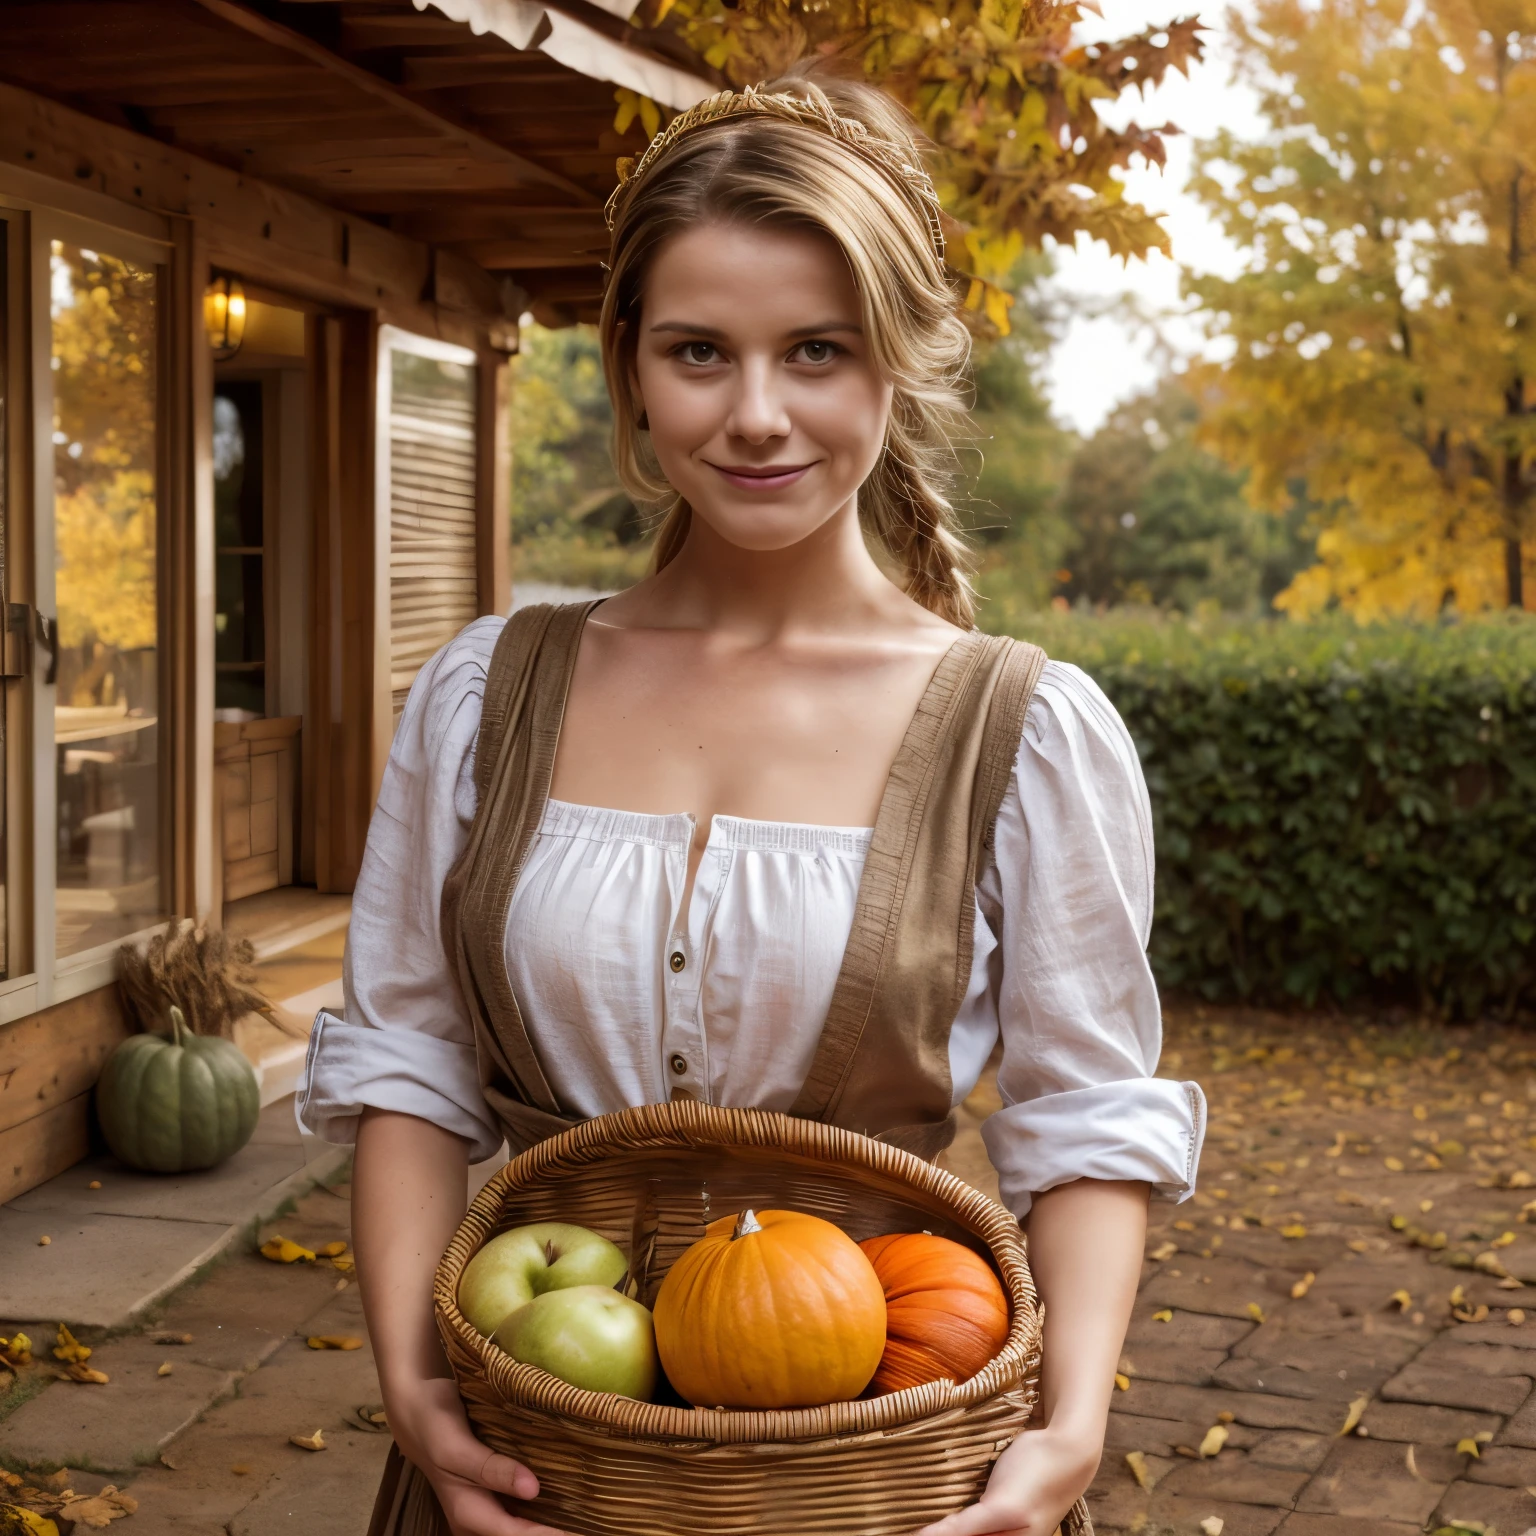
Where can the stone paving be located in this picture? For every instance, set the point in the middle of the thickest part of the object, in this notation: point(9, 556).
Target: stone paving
point(1355, 1257)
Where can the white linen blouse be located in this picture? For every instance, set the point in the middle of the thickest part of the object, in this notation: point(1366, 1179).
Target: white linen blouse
point(596, 929)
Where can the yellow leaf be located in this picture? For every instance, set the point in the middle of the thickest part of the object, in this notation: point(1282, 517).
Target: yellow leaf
point(1163, 1251)
point(1357, 1244)
point(975, 293)
point(1402, 1298)
point(1164, 1316)
point(1468, 1447)
point(650, 117)
point(18, 1351)
point(281, 1251)
point(1215, 1438)
point(345, 1263)
point(629, 107)
point(1503, 1240)
point(165, 1370)
point(1212, 1525)
point(24, 1522)
point(1189, 1226)
point(99, 1510)
point(69, 1347)
point(334, 1341)
point(1255, 1311)
point(1122, 1382)
point(1302, 1286)
point(1459, 1296)
point(1355, 1414)
point(1398, 1223)
point(314, 1442)
point(330, 1250)
point(78, 1372)
point(1516, 1316)
point(1392, 1164)
point(1145, 1477)
point(1489, 1264)
point(1295, 1229)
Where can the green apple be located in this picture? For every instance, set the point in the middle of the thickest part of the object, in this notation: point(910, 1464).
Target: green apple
point(589, 1336)
point(528, 1261)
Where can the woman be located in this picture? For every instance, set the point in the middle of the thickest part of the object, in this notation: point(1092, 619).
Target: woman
point(774, 827)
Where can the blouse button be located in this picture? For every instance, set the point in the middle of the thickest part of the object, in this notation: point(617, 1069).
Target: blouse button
point(677, 962)
point(678, 1063)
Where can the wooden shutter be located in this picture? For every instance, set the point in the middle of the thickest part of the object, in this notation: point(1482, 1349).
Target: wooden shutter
point(433, 591)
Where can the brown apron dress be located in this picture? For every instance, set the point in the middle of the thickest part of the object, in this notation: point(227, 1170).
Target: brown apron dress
point(882, 1064)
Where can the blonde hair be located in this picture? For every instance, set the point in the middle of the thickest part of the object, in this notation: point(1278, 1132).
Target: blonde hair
point(849, 167)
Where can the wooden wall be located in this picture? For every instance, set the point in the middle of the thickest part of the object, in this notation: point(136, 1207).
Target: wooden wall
point(49, 1062)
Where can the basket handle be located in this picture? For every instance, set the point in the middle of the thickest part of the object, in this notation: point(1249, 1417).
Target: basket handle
point(1078, 1521)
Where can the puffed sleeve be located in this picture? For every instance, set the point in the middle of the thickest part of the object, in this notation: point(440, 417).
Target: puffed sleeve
point(406, 1042)
point(1071, 884)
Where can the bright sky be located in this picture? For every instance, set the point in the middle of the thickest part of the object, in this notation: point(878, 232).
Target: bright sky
point(1100, 362)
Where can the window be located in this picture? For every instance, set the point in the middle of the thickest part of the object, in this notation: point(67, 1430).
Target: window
point(109, 864)
point(240, 644)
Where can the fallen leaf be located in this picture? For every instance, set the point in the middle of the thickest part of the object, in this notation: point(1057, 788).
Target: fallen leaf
point(1302, 1286)
point(1146, 1478)
point(24, 1522)
point(1503, 1240)
point(69, 1347)
point(1189, 1226)
point(1213, 1525)
point(171, 1338)
point(1356, 1413)
point(1164, 1316)
point(1402, 1298)
point(1477, 1314)
point(1459, 1296)
point(241, 1470)
point(1516, 1316)
point(1511, 1283)
point(345, 1263)
point(1426, 1206)
point(1468, 1447)
point(165, 1370)
point(1392, 1164)
point(281, 1251)
point(1122, 1381)
point(1255, 1311)
point(1397, 1223)
point(374, 1418)
point(43, 1242)
point(1215, 1438)
point(17, 1350)
point(78, 1372)
point(330, 1250)
point(1413, 1466)
point(1519, 1179)
point(314, 1442)
point(100, 1510)
point(1294, 1229)
point(1162, 1252)
point(1339, 1139)
point(94, 1184)
point(334, 1341)
point(1358, 1244)
point(1489, 1264)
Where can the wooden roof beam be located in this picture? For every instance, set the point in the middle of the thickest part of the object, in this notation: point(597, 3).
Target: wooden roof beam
point(276, 34)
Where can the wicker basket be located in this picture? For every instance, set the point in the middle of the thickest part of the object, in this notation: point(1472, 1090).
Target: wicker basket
point(650, 1180)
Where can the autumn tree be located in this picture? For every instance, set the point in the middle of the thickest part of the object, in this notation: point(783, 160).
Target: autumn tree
point(1384, 332)
point(1008, 97)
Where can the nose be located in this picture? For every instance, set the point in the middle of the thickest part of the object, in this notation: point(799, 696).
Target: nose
point(758, 410)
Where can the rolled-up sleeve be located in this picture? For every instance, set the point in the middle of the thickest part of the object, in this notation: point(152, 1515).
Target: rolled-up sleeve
point(1071, 880)
point(406, 1042)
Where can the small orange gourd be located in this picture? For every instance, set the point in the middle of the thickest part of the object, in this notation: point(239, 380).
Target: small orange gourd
point(946, 1314)
point(772, 1310)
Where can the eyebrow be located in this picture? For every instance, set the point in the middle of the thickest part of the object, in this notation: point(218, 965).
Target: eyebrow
point(848, 327)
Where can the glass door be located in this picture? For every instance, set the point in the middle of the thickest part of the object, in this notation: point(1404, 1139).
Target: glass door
point(108, 875)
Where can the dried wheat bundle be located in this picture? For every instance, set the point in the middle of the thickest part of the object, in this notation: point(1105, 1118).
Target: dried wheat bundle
point(203, 971)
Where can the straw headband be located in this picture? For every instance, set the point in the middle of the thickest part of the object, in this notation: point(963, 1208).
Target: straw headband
point(901, 167)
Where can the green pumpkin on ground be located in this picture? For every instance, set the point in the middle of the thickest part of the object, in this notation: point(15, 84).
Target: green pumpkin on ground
point(174, 1103)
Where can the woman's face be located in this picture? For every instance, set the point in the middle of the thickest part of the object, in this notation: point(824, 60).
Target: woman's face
point(766, 411)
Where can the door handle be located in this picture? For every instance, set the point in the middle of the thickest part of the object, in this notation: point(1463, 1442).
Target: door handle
point(48, 638)
point(16, 627)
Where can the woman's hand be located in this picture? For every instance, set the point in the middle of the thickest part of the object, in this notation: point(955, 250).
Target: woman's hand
point(1033, 1485)
point(467, 1476)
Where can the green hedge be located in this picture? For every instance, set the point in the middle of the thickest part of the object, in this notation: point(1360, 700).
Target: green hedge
point(1343, 812)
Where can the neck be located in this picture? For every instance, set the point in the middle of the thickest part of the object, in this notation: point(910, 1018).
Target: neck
point(828, 581)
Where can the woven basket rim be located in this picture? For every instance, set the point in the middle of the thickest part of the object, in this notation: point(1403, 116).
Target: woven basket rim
point(686, 1126)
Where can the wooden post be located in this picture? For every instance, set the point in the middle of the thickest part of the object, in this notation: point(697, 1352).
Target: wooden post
point(493, 489)
point(340, 778)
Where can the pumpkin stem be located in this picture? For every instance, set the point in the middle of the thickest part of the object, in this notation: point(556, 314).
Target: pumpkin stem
point(746, 1223)
point(178, 1025)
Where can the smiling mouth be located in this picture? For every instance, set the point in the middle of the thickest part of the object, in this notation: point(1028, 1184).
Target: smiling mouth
point(763, 477)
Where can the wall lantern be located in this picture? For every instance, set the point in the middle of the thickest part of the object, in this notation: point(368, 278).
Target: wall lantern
point(224, 316)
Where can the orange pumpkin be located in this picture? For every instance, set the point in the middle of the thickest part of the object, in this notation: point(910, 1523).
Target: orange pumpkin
point(773, 1310)
point(946, 1314)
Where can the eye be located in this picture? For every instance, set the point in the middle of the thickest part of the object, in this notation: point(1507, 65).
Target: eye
point(817, 353)
point(698, 352)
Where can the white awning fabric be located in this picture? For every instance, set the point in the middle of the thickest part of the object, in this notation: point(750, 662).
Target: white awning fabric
point(578, 46)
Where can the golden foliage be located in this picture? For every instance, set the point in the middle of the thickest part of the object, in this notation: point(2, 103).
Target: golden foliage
point(1384, 334)
point(1007, 96)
